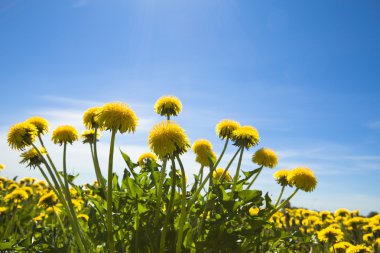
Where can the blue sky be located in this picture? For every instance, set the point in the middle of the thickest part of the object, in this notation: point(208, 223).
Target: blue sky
point(306, 74)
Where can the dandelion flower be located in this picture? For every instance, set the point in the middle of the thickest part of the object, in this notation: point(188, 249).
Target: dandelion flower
point(3, 209)
point(64, 134)
point(2, 166)
point(143, 159)
point(253, 211)
point(281, 176)
point(117, 116)
point(330, 235)
point(340, 247)
point(217, 174)
point(245, 136)
point(359, 249)
point(204, 158)
point(16, 196)
point(225, 128)
point(265, 157)
point(83, 216)
point(89, 117)
point(31, 157)
point(168, 138)
point(302, 178)
point(342, 212)
point(88, 136)
point(48, 200)
point(168, 105)
point(22, 135)
point(40, 123)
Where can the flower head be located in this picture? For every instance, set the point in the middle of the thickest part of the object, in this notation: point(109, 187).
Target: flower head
point(89, 117)
point(358, 249)
point(48, 200)
point(83, 216)
point(245, 136)
point(22, 135)
point(281, 176)
point(217, 174)
point(265, 157)
point(2, 166)
point(117, 116)
point(254, 211)
point(64, 134)
point(31, 157)
point(330, 235)
point(203, 149)
point(168, 138)
point(17, 195)
point(341, 247)
point(143, 159)
point(88, 136)
point(40, 123)
point(204, 159)
point(168, 105)
point(302, 178)
point(225, 128)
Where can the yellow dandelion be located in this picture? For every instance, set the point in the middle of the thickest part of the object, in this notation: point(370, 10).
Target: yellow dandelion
point(302, 178)
point(117, 116)
point(89, 118)
point(13, 186)
point(88, 136)
point(204, 159)
point(253, 211)
point(168, 106)
point(28, 190)
point(143, 159)
point(168, 138)
point(281, 176)
point(202, 146)
point(265, 157)
point(40, 123)
point(40, 217)
point(245, 136)
point(64, 134)
point(368, 237)
point(48, 200)
point(340, 247)
point(16, 196)
point(3, 209)
point(27, 180)
point(225, 128)
point(83, 216)
point(359, 249)
point(53, 209)
point(342, 212)
point(330, 235)
point(2, 166)
point(22, 135)
point(31, 157)
point(217, 174)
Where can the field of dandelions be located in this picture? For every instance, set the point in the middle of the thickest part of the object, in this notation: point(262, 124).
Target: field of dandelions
point(153, 206)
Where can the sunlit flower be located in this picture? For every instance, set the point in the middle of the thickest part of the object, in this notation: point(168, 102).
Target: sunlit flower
point(64, 134)
point(117, 116)
point(168, 105)
point(3, 209)
point(48, 200)
point(16, 196)
point(330, 235)
point(302, 178)
point(89, 118)
point(40, 217)
point(83, 216)
point(217, 174)
point(204, 158)
point(254, 211)
point(245, 136)
point(2, 166)
point(31, 157)
point(143, 159)
point(168, 138)
point(340, 247)
point(342, 212)
point(225, 128)
point(265, 157)
point(88, 136)
point(281, 176)
point(22, 135)
point(27, 180)
point(359, 249)
point(40, 123)
point(201, 146)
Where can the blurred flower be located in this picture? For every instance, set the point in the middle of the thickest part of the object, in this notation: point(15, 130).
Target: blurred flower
point(217, 174)
point(22, 135)
point(330, 235)
point(17, 195)
point(89, 118)
point(281, 176)
point(265, 157)
point(40, 123)
point(143, 159)
point(48, 200)
point(88, 136)
point(359, 249)
point(31, 157)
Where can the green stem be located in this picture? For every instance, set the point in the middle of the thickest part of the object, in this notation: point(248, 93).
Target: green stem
point(283, 203)
point(169, 209)
point(221, 155)
point(111, 243)
point(200, 176)
point(183, 208)
point(98, 171)
point(280, 196)
point(236, 178)
point(256, 176)
point(229, 165)
point(159, 191)
point(64, 167)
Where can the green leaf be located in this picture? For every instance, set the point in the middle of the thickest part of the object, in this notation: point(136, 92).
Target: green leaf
point(249, 174)
point(249, 195)
point(128, 161)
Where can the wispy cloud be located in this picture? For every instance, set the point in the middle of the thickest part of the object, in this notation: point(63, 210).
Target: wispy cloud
point(374, 124)
point(80, 3)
